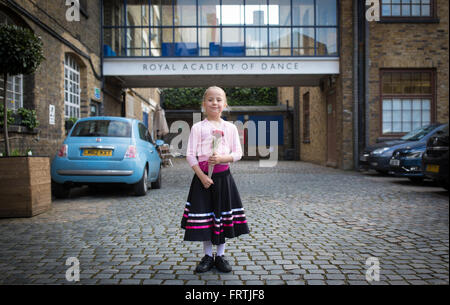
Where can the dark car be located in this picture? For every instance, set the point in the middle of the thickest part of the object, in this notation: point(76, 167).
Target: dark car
point(435, 158)
point(407, 162)
point(377, 156)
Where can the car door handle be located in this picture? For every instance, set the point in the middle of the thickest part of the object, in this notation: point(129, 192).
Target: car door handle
point(151, 151)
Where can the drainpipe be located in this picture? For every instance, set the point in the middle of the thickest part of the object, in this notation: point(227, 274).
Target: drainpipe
point(355, 86)
point(366, 68)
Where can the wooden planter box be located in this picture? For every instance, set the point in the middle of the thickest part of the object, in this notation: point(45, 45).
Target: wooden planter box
point(25, 186)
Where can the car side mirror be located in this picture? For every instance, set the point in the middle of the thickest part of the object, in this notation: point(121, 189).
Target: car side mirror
point(159, 143)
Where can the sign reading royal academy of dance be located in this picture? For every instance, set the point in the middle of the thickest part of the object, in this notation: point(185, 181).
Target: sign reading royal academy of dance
point(224, 66)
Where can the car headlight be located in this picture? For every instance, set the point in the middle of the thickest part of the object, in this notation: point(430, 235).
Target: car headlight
point(414, 155)
point(380, 151)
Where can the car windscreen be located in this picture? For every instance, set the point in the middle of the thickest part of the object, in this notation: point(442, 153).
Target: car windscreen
point(418, 133)
point(102, 128)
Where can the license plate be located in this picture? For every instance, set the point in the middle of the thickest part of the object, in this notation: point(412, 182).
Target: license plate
point(97, 152)
point(394, 162)
point(363, 158)
point(432, 168)
point(374, 163)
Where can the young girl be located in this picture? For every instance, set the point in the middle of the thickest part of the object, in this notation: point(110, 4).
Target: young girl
point(213, 209)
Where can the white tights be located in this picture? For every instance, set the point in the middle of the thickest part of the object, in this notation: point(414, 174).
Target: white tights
point(207, 247)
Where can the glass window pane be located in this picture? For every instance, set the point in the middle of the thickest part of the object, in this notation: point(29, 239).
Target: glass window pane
point(279, 12)
point(406, 10)
point(303, 41)
point(426, 104)
point(209, 41)
point(155, 12)
point(386, 10)
point(137, 39)
point(233, 42)
point(256, 12)
point(186, 42)
point(208, 12)
point(303, 12)
point(406, 104)
point(256, 42)
point(426, 116)
point(387, 127)
point(416, 124)
point(425, 10)
point(185, 12)
point(397, 104)
point(232, 13)
point(417, 104)
point(326, 41)
point(417, 115)
point(387, 104)
point(395, 10)
point(280, 41)
point(113, 13)
point(397, 83)
point(387, 116)
point(415, 10)
point(155, 44)
point(326, 12)
point(114, 42)
point(396, 127)
point(406, 127)
point(137, 13)
point(167, 12)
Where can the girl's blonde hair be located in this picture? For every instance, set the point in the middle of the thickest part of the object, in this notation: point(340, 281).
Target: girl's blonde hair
point(217, 88)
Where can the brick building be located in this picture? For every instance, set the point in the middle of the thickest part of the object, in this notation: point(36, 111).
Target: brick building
point(69, 82)
point(349, 82)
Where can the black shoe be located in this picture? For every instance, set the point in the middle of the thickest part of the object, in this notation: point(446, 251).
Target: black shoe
point(205, 264)
point(222, 264)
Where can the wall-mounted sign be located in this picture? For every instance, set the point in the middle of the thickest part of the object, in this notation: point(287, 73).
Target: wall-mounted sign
point(51, 114)
point(97, 93)
point(220, 66)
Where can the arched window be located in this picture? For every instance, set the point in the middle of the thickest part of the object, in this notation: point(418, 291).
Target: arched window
point(14, 88)
point(71, 87)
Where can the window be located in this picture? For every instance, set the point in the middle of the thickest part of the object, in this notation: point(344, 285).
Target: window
point(71, 88)
point(102, 128)
point(14, 87)
point(408, 9)
point(306, 118)
point(407, 100)
point(219, 28)
point(14, 92)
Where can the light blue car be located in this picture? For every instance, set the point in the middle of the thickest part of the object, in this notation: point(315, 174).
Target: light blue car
point(107, 150)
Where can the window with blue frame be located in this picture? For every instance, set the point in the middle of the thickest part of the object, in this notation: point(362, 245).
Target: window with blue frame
point(213, 28)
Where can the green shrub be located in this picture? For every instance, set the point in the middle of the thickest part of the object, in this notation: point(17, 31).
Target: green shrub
point(191, 98)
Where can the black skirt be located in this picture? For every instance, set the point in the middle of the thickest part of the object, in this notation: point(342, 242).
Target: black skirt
point(215, 213)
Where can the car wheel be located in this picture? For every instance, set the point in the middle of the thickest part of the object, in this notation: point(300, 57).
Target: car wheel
point(140, 188)
point(416, 179)
point(60, 190)
point(157, 183)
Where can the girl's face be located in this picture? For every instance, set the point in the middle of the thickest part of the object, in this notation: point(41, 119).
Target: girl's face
point(214, 102)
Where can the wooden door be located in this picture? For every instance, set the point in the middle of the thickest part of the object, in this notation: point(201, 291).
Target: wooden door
point(331, 130)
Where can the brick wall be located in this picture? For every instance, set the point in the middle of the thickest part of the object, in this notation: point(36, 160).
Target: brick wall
point(409, 45)
point(46, 85)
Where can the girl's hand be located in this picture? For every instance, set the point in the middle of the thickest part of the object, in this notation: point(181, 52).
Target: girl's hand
point(215, 159)
point(206, 181)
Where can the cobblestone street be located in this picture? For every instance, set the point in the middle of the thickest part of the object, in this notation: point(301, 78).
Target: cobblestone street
point(309, 225)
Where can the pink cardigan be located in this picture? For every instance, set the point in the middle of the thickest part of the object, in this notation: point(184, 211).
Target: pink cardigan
point(200, 143)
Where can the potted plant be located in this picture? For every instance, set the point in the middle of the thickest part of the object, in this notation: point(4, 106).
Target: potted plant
point(25, 182)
